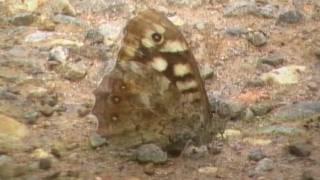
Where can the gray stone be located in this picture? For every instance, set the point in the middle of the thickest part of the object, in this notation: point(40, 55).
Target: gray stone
point(257, 38)
point(256, 83)
point(262, 108)
point(267, 11)
point(274, 59)
point(31, 117)
point(94, 36)
point(59, 54)
point(298, 111)
point(264, 165)
point(73, 72)
point(300, 149)
point(23, 19)
point(63, 19)
point(256, 155)
point(280, 130)
point(226, 108)
point(236, 31)
point(151, 153)
point(97, 141)
point(47, 110)
point(240, 7)
point(190, 3)
point(290, 17)
point(194, 152)
point(206, 72)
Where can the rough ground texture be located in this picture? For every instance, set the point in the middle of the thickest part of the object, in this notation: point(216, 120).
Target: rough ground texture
point(261, 60)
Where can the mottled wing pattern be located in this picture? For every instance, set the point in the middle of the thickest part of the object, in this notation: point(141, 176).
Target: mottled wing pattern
point(155, 93)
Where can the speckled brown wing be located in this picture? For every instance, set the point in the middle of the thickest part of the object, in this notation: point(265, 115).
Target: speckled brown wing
point(155, 93)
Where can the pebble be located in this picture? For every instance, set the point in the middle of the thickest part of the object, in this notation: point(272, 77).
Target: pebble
point(97, 141)
point(73, 72)
point(31, 117)
point(290, 17)
point(59, 54)
point(257, 38)
point(194, 152)
point(313, 86)
point(264, 165)
point(149, 169)
point(256, 155)
point(208, 170)
point(47, 110)
point(262, 108)
point(206, 72)
point(151, 153)
point(300, 149)
point(236, 31)
point(23, 19)
point(274, 59)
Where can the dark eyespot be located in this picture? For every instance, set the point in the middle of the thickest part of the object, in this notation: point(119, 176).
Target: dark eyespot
point(156, 37)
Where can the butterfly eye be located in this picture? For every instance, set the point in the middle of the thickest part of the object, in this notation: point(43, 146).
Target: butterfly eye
point(157, 37)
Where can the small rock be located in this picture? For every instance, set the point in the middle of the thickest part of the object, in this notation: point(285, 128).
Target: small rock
point(290, 17)
point(23, 19)
point(45, 163)
point(280, 130)
point(231, 133)
point(240, 7)
point(50, 99)
point(262, 108)
point(264, 165)
point(63, 19)
point(274, 59)
point(226, 108)
point(94, 37)
point(298, 111)
point(284, 75)
point(200, 26)
point(208, 170)
point(59, 54)
point(256, 155)
point(313, 86)
point(38, 36)
point(73, 72)
point(267, 11)
point(46, 110)
point(206, 72)
point(151, 153)
point(236, 31)
point(194, 152)
point(31, 117)
point(257, 38)
point(300, 149)
point(189, 3)
point(97, 141)
point(149, 169)
point(256, 83)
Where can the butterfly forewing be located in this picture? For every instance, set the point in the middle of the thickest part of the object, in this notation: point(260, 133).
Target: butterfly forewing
point(155, 93)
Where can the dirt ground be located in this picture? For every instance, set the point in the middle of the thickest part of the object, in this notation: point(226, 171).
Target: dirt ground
point(233, 59)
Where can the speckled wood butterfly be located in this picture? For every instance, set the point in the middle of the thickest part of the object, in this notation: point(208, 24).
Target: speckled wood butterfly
point(155, 93)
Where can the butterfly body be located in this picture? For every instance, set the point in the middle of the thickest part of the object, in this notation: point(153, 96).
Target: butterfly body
point(155, 93)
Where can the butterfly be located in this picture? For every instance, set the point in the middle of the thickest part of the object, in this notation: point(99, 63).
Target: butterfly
point(155, 93)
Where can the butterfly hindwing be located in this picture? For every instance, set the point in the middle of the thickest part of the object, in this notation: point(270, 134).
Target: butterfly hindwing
point(154, 93)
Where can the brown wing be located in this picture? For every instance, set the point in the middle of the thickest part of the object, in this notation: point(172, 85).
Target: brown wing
point(155, 93)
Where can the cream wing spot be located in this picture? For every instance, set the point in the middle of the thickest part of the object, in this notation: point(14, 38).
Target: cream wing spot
point(148, 43)
point(160, 29)
point(159, 64)
point(174, 46)
point(186, 85)
point(181, 70)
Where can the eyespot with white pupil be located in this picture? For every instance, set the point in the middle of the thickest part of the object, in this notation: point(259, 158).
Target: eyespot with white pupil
point(114, 118)
point(115, 99)
point(156, 37)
